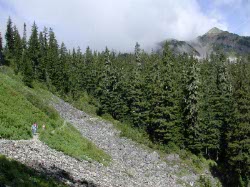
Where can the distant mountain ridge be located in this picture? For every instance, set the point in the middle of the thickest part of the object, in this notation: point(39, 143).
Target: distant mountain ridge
point(215, 39)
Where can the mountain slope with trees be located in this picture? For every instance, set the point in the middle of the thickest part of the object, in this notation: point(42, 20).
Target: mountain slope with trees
point(232, 45)
point(179, 102)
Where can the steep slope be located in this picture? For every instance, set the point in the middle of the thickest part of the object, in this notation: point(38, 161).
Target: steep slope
point(215, 39)
point(131, 164)
point(21, 106)
point(180, 47)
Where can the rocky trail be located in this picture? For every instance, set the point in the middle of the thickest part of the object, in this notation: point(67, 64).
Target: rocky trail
point(131, 165)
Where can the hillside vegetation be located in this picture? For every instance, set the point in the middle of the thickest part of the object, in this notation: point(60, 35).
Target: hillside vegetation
point(22, 106)
point(179, 102)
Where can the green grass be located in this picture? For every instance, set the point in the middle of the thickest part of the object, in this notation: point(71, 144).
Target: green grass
point(16, 113)
point(69, 140)
point(13, 173)
point(21, 106)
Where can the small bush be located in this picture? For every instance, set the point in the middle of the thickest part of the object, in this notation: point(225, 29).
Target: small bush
point(205, 182)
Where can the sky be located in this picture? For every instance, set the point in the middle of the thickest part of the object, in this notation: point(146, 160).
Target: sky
point(119, 24)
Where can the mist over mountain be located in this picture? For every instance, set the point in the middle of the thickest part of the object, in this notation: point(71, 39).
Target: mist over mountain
point(215, 39)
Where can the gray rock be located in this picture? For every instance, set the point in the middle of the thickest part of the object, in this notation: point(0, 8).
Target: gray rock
point(131, 165)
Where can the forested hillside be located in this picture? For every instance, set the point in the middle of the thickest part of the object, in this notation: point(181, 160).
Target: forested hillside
point(182, 103)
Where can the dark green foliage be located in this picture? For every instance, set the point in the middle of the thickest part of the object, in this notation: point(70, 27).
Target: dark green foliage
point(1, 43)
point(177, 102)
point(9, 36)
point(137, 53)
point(216, 105)
point(28, 71)
point(190, 107)
point(1, 50)
point(33, 52)
point(24, 38)
point(165, 100)
point(18, 50)
point(238, 133)
point(53, 64)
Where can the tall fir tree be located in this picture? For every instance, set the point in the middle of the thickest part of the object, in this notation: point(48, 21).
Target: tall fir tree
point(165, 116)
point(216, 105)
point(1, 50)
point(190, 106)
point(137, 52)
point(24, 38)
point(53, 59)
point(34, 51)
point(9, 36)
point(63, 57)
point(88, 56)
point(1, 42)
point(18, 49)
point(238, 133)
point(24, 51)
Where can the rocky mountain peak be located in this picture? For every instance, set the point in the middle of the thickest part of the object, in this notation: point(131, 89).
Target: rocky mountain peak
point(214, 31)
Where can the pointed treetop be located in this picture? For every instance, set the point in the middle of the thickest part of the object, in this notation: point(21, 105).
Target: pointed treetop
point(1, 42)
point(137, 52)
point(24, 39)
point(214, 31)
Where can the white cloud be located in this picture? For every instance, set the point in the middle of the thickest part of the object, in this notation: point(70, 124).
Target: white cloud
point(115, 23)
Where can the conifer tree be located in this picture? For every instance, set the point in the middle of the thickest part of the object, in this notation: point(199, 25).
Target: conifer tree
point(18, 49)
point(24, 50)
point(1, 50)
point(165, 100)
point(53, 59)
point(216, 105)
point(63, 57)
point(28, 72)
point(137, 53)
point(34, 51)
point(190, 106)
point(238, 135)
point(24, 38)
point(1, 42)
point(9, 36)
point(88, 56)
point(76, 61)
point(105, 85)
point(44, 61)
point(138, 106)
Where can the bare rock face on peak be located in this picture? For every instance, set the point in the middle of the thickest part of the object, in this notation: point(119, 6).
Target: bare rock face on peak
point(214, 31)
point(215, 39)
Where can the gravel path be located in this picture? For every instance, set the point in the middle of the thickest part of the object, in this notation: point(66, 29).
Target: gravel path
point(131, 165)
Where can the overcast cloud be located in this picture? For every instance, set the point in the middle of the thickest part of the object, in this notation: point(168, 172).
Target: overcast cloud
point(117, 24)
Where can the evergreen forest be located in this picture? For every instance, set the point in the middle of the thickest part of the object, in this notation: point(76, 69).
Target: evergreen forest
point(202, 106)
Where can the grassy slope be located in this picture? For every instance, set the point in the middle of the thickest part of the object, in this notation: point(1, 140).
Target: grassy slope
point(21, 106)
